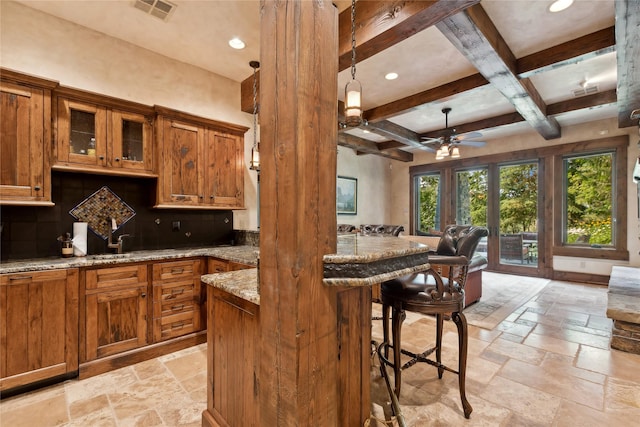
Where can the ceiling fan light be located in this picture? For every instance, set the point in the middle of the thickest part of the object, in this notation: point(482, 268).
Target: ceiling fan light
point(439, 155)
point(455, 153)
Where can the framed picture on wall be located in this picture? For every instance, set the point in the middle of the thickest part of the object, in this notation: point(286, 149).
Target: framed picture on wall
point(347, 196)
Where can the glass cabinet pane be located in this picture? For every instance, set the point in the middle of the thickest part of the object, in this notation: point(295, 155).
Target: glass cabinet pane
point(132, 137)
point(82, 139)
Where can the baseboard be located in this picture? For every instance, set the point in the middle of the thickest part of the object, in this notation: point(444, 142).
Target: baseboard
point(571, 276)
point(120, 360)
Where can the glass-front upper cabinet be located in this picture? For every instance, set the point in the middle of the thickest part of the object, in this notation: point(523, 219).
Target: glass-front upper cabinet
point(94, 137)
point(81, 133)
point(131, 141)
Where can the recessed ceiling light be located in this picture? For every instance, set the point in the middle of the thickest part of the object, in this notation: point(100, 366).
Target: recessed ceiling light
point(236, 43)
point(560, 5)
point(391, 76)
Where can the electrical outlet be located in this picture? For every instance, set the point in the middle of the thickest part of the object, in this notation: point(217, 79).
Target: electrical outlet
point(175, 226)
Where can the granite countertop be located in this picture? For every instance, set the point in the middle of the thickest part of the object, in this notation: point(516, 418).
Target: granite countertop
point(241, 254)
point(359, 261)
point(365, 260)
point(241, 283)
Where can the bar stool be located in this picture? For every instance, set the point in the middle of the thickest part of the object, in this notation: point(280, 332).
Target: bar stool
point(429, 293)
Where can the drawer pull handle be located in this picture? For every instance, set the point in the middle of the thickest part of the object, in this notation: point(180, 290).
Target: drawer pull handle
point(143, 295)
point(177, 307)
point(177, 325)
point(20, 278)
point(177, 270)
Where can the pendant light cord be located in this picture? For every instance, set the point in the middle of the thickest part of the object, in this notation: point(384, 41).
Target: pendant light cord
point(353, 39)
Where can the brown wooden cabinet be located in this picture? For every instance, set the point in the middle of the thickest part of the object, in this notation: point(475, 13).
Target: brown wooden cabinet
point(99, 134)
point(38, 326)
point(177, 299)
point(115, 310)
point(25, 124)
point(233, 345)
point(202, 162)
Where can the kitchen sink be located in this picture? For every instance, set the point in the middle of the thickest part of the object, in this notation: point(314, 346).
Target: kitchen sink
point(109, 256)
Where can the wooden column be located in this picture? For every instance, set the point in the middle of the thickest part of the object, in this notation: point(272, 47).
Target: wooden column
point(298, 114)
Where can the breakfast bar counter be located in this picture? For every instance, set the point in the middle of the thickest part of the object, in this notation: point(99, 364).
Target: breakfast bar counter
point(233, 327)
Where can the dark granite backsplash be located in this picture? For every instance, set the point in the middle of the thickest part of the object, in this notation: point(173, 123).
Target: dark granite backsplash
point(247, 237)
point(31, 232)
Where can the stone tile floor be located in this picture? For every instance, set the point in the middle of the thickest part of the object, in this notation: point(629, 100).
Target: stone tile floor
point(548, 363)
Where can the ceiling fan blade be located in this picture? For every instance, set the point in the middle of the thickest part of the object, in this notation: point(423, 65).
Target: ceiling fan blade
point(468, 135)
point(428, 139)
point(471, 143)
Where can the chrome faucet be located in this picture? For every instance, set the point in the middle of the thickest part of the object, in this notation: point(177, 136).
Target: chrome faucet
point(118, 244)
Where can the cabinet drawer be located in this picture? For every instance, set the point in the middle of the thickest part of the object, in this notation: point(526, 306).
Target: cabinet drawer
point(132, 275)
point(177, 305)
point(176, 325)
point(175, 291)
point(175, 270)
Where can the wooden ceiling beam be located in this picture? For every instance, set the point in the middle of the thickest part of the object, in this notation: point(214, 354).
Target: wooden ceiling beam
point(382, 24)
point(369, 147)
point(412, 102)
point(476, 37)
point(571, 52)
point(628, 51)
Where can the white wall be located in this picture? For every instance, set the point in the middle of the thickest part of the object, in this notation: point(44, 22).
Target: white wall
point(374, 190)
point(41, 45)
point(594, 130)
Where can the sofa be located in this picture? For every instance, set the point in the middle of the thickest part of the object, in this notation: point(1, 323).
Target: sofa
point(381, 229)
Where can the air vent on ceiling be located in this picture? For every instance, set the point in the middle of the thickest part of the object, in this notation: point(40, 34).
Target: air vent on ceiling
point(588, 90)
point(161, 9)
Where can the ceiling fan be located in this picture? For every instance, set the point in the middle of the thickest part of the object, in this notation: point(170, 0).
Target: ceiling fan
point(447, 144)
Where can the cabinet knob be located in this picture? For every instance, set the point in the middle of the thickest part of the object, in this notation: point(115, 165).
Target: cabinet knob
point(211, 197)
point(37, 188)
point(143, 295)
point(101, 157)
point(117, 159)
point(201, 196)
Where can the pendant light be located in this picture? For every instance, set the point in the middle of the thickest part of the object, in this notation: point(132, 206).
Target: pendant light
point(353, 89)
point(255, 154)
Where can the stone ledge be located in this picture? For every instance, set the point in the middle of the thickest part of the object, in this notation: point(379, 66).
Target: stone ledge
point(623, 306)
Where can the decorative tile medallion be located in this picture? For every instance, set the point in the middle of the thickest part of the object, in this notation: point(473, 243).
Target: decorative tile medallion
point(98, 209)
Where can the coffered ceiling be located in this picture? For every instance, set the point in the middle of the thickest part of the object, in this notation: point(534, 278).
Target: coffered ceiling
point(503, 66)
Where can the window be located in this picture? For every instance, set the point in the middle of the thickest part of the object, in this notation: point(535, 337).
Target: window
point(428, 189)
point(471, 197)
point(589, 200)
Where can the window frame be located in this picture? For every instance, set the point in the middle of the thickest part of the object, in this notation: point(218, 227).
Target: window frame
point(550, 193)
point(618, 146)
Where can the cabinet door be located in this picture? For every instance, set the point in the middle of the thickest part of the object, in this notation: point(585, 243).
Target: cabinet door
point(24, 145)
point(38, 326)
point(233, 345)
point(82, 133)
point(225, 170)
point(116, 321)
point(131, 136)
point(115, 310)
point(181, 180)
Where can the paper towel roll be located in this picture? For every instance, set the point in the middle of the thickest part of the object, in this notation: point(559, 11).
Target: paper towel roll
point(79, 238)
